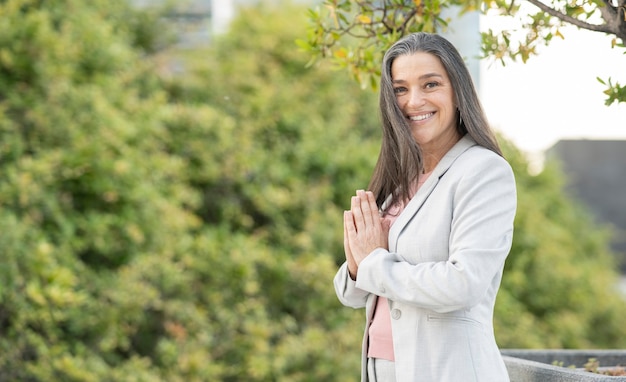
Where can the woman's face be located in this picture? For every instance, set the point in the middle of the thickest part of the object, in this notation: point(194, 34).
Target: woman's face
point(425, 96)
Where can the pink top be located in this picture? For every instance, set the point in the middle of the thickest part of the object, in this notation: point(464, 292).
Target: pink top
point(380, 338)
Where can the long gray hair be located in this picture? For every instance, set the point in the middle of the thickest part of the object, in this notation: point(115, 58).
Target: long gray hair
point(400, 161)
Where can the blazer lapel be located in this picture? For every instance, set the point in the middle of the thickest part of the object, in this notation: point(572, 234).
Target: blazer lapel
point(426, 189)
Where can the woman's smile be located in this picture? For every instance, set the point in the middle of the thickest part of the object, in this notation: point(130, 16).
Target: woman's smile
point(421, 117)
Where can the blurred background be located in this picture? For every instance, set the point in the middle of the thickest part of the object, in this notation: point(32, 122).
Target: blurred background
point(174, 176)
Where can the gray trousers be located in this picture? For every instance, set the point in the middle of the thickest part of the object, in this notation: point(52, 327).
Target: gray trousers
point(380, 370)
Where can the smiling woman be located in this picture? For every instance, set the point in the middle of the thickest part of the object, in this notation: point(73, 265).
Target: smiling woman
point(425, 246)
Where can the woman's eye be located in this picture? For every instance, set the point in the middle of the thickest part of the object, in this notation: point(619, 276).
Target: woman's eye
point(399, 90)
point(431, 85)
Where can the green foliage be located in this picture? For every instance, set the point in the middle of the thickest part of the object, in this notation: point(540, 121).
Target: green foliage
point(154, 230)
point(275, 167)
point(186, 227)
point(559, 285)
point(355, 34)
point(82, 206)
point(614, 91)
point(269, 175)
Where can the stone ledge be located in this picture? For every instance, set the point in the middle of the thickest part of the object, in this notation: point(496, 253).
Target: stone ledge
point(536, 365)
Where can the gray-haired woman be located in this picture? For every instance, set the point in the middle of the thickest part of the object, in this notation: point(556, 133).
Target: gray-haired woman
point(425, 246)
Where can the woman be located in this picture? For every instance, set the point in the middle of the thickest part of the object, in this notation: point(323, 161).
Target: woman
point(426, 246)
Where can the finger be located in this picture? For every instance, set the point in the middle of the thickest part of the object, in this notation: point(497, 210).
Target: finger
point(365, 208)
point(352, 265)
point(357, 214)
point(347, 220)
point(373, 206)
point(349, 226)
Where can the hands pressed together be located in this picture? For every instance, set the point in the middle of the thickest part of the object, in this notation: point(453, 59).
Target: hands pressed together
point(364, 230)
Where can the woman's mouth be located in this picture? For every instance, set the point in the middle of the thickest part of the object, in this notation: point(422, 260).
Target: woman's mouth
point(420, 117)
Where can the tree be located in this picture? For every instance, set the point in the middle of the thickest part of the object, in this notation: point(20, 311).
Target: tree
point(171, 229)
point(89, 266)
point(354, 34)
point(275, 167)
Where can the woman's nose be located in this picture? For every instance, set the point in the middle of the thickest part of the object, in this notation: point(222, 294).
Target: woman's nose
point(416, 98)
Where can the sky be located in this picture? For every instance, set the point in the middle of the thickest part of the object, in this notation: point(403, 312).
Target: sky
point(555, 95)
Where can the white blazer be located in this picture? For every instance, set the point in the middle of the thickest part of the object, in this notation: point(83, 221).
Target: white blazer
point(442, 271)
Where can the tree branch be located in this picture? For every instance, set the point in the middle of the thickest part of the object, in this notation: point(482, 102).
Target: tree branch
point(569, 19)
point(614, 13)
point(410, 15)
point(609, 4)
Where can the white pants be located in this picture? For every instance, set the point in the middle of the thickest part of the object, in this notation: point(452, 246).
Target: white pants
point(380, 370)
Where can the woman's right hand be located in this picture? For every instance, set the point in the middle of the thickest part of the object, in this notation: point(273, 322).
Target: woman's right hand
point(364, 230)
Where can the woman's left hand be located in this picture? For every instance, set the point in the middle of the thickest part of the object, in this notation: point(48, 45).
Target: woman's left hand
point(365, 229)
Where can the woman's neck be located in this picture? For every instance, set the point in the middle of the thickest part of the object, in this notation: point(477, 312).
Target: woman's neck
point(432, 155)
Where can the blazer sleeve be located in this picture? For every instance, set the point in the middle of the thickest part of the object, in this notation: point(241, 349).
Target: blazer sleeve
point(482, 202)
point(347, 292)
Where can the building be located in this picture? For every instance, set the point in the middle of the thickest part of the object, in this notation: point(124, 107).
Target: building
point(596, 173)
point(193, 21)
